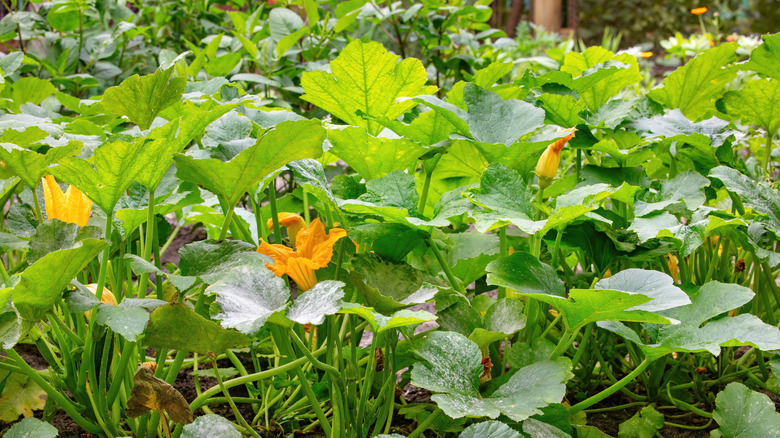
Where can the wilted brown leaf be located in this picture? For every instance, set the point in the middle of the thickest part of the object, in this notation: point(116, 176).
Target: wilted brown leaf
point(152, 394)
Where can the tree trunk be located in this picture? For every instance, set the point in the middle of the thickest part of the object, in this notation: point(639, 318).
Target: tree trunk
point(514, 17)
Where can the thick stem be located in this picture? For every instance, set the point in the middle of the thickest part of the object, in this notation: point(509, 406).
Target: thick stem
point(226, 223)
point(590, 401)
point(503, 252)
point(37, 206)
point(148, 243)
point(275, 212)
point(446, 267)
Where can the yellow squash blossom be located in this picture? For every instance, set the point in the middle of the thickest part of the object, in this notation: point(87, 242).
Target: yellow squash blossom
point(313, 250)
point(647, 55)
point(698, 11)
point(672, 262)
point(293, 222)
point(107, 298)
point(547, 166)
point(72, 206)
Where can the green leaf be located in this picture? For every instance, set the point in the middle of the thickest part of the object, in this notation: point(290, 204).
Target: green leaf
point(396, 189)
point(283, 22)
point(694, 87)
point(562, 109)
point(26, 90)
point(765, 58)
point(288, 141)
point(687, 187)
point(489, 118)
point(312, 306)
point(177, 327)
point(129, 317)
point(390, 240)
point(366, 78)
point(32, 427)
point(674, 126)
point(451, 366)
point(54, 235)
point(373, 157)
point(211, 425)
point(30, 165)
point(506, 196)
point(693, 335)
point(742, 413)
point(644, 424)
point(389, 286)
point(106, 175)
point(310, 174)
point(505, 316)
point(654, 284)
point(380, 323)
point(247, 296)
point(133, 216)
point(760, 196)
point(20, 396)
point(599, 74)
point(526, 274)
point(755, 104)
point(174, 136)
point(41, 284)
point(141, 98)
point(489, 429)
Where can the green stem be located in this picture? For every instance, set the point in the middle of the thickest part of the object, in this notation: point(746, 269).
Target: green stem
point(37, 203)
point(566, 341)
point(56, 395)
point(148, 243)
point(446, 267)
point(230, 401)
point(306, 213)
point(768, 153)
point(503, 252)
point(116, 384)
point(424, 425)
point(427, 183)
point(283, 343)
point(590, 401)
point(275, 212)
point(226, 223)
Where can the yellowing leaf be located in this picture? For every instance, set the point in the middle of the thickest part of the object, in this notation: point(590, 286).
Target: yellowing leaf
point(152, 394)
point(21, 396)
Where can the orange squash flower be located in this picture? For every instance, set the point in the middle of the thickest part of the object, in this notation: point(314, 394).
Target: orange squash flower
point(647, 55)
point(547, 166)
point(72, 206)
point(293, 222)
point(107, 298)
point(698, 11)
point(672, 262)
point(313, 250)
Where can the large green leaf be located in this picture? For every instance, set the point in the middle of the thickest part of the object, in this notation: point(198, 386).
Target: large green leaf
point(686, 187)
point(366, 78)
point(742, 413)
point(310, 174)
point(506, 196)
point(178, 327)
point(141, 98)
point(526, 274)
point(247, 296)
point(389, 286)
point(106, 175)
point(28, 89)
point(451, 366)
point(174, 136)
point(489, 118)
point(674, 126)
point(32, 427)
point(599, 74)
point(41, 285)
point(692, 334)
point(396, 189)
point(373, 157)
point(489, 429)
point(211, 261)
point(694, 87)
point(562, 109)
point(28, 164)
point(755, 103)
point(312, 306)
point(288, 141)
point(765, 58)
point(760, 196)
